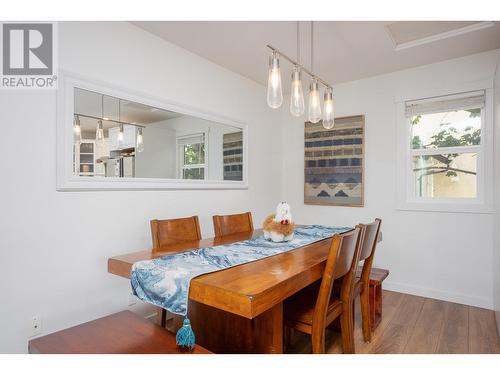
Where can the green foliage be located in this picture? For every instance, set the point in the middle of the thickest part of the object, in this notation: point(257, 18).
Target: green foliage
point(447, 138)
point(416, 119)
point(194, 154)
point(416, 142)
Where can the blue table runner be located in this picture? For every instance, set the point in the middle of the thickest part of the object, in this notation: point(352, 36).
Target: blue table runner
point(164, 281)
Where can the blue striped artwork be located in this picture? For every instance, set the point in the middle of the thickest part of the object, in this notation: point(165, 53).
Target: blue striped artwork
point(334, 163)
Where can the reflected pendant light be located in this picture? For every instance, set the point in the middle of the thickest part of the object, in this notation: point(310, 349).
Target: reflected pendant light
point(328, 112)
point(120, 127)
point(77, 130)
point(99, 132)
point(120, 136)
point(139, 141)
point(274, 91)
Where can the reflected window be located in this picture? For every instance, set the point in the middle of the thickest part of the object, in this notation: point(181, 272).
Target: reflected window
point(192, 157)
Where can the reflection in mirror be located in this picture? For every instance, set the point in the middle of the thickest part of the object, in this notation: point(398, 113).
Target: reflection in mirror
point(119, 138)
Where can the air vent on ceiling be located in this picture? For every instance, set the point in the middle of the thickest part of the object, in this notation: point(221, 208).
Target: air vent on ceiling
point(408, 34)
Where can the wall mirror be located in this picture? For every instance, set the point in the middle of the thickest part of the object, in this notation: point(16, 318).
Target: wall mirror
point(120, 140)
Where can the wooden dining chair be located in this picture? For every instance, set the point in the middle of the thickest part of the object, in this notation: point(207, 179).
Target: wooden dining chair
point(174, 231)
point(171, 232)
point(313, 309)
point(362, 283)
point(230, 224)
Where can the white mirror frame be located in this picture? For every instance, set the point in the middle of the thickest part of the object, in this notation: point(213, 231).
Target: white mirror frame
point(67, 181)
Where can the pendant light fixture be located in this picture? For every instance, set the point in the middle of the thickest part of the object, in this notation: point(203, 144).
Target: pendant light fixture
point(296, 92)
point(328, 112)
point(314, 109)
point(77, 130)
point(274, 91)
point(297, 107)
point(139, 141)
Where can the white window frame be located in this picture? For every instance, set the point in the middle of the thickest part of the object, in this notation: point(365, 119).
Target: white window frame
point(180, 155)
point(67, 181)
point(406, 198)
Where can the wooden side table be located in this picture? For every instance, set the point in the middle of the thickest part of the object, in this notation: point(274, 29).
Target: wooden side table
point(377, 276)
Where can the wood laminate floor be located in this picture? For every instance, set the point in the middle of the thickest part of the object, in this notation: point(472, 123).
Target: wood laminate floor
point(412, 324)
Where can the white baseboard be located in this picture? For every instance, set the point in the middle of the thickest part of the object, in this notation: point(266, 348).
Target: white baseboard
point(464, 299)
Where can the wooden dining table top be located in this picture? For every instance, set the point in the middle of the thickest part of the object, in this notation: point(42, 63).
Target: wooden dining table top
point(248, 289)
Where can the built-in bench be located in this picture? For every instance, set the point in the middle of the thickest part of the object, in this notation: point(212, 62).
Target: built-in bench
point(377, 276)
point(120, 333)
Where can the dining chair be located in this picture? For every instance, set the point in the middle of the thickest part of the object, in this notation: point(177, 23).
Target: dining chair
point(313, 309)
point(230, 224)
point(362, 283)
point(171, 232)
point(174, 231)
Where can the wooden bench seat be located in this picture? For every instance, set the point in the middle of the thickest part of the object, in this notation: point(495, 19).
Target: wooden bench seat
point(120, 333)
point(377, 276)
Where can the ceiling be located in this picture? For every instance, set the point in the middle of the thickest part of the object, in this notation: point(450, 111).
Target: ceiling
point(343, 50)
point(89, 103)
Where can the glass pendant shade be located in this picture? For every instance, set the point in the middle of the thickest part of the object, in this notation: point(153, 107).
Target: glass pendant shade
point(274, 90)
point(99, 132)
point(296, 94)
point(328, 113)
point(77, 130)
point(120, 136)
point(139, 141)
point(314, 109)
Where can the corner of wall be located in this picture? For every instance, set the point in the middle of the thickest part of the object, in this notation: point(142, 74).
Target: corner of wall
point(496, 234)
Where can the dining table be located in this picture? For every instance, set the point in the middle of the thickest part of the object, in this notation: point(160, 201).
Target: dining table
point(240, 309)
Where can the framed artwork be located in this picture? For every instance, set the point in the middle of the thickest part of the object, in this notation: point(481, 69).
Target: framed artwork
point(334, 163)
point(232, 147)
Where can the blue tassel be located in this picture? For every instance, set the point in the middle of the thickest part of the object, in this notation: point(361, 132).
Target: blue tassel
point(185, 335)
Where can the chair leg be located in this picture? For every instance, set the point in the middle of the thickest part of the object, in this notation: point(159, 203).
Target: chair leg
point(288, 337)
point(365, 313)
point(318, 343)
point(347, 330)
point(161, 316)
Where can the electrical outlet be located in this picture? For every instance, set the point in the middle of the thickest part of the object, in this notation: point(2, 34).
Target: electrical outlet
point(132, 300)
point(36, 325)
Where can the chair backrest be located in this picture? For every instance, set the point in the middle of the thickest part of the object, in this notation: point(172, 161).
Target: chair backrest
point(230, 224)
point(174, 231)
point(341, 262)
point(368, 247)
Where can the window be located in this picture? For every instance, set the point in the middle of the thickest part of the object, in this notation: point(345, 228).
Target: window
point(446, 152)
point(192, 160)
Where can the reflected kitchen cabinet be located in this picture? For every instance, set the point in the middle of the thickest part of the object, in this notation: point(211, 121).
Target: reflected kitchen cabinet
point(87, 154)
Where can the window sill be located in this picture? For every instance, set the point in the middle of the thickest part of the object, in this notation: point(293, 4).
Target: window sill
point(453, 207)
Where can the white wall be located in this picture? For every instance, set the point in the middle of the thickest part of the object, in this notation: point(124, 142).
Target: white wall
point(496, 230)
point(158, 158)
point(441, 255)
point(54, 245)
